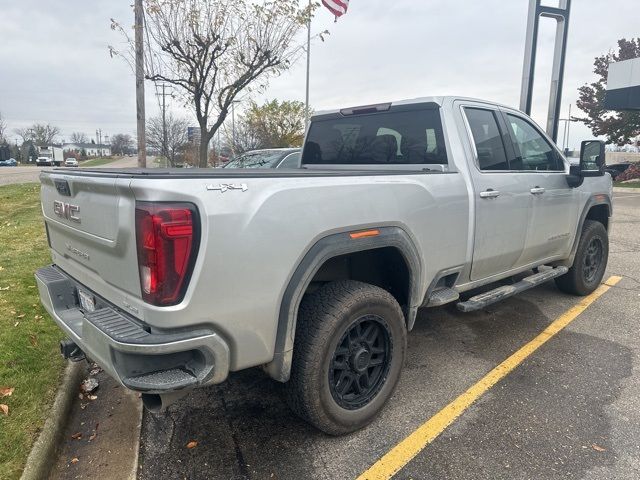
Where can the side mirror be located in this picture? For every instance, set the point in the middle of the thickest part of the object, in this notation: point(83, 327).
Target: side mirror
point(592, 162)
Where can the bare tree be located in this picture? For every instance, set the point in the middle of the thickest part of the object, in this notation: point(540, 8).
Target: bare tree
point(3, 127)
point(243, 137)
point(38, 133)
point(24, 133)
point(121, 143)
point(79, 137)
point(213, 50)
point(176, 139)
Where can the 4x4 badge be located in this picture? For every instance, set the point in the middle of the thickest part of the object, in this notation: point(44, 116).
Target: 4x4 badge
point(223, 187)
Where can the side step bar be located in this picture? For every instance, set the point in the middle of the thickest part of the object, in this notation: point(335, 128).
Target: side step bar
point(492, 296)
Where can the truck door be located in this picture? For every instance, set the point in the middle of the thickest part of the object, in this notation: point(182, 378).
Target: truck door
point(502, 198)
point(554, 212)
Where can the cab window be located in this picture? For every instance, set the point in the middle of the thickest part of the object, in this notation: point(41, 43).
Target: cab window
point(535, 152)
point(487, 139)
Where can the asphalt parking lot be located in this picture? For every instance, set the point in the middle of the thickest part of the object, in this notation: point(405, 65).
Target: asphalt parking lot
point(570, 410)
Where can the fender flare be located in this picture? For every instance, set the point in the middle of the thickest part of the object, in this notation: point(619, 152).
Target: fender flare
point(324, 249)
point(599, 199)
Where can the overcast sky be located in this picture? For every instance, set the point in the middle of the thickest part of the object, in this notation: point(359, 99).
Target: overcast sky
point(55, 65)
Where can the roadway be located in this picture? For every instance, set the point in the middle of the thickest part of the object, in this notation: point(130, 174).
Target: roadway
point(23, 174)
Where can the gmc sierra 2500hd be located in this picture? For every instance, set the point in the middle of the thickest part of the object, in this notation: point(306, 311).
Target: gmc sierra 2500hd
point(171, 279)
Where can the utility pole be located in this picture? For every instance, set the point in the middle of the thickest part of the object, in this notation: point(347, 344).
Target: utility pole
point(140, 115)
point(233, 126)
point(306, 102)
point(165, 146)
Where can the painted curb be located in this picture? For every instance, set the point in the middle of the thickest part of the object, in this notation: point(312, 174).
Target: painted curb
point(42, 455)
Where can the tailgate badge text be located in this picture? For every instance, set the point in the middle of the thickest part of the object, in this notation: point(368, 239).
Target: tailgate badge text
point(223, 187)
point(66, 210)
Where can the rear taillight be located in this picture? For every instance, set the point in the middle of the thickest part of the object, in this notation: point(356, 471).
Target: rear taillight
point(167, 238)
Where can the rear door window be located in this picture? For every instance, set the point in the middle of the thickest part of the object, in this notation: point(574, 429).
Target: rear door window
point(487, 139)
point(382, 138)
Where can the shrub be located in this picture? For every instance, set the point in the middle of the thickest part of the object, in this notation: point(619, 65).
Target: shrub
point(631, 173)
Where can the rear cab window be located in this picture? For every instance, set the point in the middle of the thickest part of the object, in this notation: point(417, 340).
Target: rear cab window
point(405, 136)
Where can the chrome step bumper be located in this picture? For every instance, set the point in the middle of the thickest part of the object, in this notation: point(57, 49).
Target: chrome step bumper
point(140, 358)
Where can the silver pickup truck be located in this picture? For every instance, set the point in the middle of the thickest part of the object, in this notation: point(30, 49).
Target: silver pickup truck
point(171, 279)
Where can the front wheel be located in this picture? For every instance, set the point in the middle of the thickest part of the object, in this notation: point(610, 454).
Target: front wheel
point(349, 351)
point(590, 261)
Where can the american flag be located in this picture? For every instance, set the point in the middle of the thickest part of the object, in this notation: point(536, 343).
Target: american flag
point(337, 7)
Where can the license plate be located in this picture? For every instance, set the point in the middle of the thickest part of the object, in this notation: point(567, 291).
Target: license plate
point(87, 302)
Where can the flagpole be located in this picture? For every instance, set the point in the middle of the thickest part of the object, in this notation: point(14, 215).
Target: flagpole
point(306, 105)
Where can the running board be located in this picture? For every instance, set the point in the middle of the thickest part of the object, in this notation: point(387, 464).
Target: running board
point(441, 296)
point(497, 294)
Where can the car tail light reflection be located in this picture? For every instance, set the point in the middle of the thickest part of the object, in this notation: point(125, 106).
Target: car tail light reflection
point(167, 237)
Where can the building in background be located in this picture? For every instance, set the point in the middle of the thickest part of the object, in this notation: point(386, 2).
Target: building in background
point(91, 149)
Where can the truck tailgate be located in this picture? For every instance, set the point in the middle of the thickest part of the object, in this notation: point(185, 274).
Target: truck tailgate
point(91, 227)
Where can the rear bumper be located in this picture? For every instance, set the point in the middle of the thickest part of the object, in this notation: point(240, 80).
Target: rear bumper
point(127, 349)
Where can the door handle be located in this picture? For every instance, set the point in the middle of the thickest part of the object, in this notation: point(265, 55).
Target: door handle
point(490, 193)
point(537, 190)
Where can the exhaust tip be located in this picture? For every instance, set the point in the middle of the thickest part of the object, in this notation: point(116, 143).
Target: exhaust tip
point(157, 403)
point(69, 350)
point(152, 402)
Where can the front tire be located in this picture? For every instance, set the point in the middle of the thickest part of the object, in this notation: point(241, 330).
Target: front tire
point(590, 261)
point(349, 351)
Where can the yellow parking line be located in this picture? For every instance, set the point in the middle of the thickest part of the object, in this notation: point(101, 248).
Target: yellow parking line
point(403, 452)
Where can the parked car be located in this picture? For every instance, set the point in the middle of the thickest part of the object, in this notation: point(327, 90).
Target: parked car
point(617, 168)
point(171, 279)
point(71, 162)
point(11, 162)
point(268, 158)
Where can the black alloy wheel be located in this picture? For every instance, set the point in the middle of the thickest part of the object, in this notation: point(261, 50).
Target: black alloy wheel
point(360, 363)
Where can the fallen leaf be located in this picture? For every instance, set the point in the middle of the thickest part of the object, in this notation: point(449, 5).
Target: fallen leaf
point(93, 436)
point(4, 408)
point(21, 315)
point(75, 460)
point(77, 436)
point(33, 340)
point(89, 385)
point(4, 288)
point(92, 397)
point(16, 324)
point(192, 444)
point(6, 391)
point(598, 448)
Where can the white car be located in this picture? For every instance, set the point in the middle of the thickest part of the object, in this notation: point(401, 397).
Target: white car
point(71, 162)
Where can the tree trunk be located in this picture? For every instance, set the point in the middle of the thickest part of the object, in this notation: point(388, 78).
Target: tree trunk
point(203, 156)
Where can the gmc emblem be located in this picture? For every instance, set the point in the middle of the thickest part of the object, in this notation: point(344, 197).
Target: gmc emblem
point(66, 210)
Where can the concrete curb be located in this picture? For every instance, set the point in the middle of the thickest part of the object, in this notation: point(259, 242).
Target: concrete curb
point(136, 461)
point(624, 189)
point(42, 455)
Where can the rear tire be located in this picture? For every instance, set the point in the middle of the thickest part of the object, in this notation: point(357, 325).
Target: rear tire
point(590, 261)
point(349, 351)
